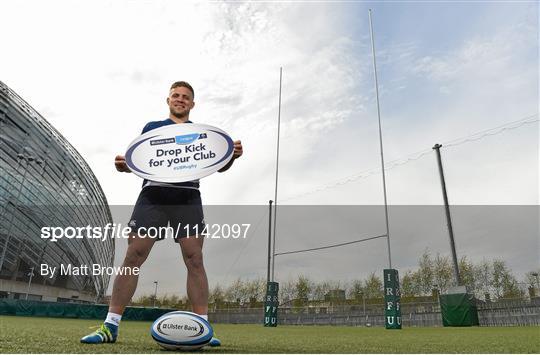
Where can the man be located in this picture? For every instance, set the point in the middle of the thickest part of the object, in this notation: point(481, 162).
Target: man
point(160, 204)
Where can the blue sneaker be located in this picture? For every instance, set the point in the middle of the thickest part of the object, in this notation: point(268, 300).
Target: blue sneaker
point(214, 342)
point(107, 333)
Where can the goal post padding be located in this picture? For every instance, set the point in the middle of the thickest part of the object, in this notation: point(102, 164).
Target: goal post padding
point(458, 310)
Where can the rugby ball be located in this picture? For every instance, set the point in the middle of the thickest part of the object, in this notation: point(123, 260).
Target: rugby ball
point(181, 331)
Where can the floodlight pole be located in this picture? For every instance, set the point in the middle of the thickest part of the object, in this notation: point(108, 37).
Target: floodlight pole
point(457, 278)
point(155, 293)
point(277, 173)
point(380, 141)
point(31, 274)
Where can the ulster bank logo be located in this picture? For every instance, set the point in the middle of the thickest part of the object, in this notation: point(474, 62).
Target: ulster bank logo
point(183, 139)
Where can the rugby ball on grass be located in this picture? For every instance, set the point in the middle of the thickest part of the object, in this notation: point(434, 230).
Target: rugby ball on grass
point(181, 331)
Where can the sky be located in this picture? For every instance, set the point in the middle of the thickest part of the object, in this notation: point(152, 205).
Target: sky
point(99, 71)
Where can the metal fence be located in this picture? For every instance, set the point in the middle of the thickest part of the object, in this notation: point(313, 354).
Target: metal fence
point(427, 314)
point(510, 313)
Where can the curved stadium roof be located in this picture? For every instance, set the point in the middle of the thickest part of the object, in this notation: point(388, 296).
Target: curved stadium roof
point(44, 181)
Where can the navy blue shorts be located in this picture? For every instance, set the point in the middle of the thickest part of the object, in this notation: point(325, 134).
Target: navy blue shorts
point(170, 212)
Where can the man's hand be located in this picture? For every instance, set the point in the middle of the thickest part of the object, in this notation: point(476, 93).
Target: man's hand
point(120, 164)
point(238, 151)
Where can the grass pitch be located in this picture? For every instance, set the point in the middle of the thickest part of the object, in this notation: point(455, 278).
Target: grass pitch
point(57, 335)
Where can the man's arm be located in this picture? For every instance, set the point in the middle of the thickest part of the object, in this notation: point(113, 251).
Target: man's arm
point(120, 164)
point(120, 160)
point(238, 151)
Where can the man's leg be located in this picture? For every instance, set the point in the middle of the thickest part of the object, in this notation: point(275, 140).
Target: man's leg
point(197, 283)
point(125, 285)
point(123, 290)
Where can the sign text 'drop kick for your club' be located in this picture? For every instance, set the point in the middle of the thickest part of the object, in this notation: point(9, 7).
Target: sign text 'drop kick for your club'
point(179, 152)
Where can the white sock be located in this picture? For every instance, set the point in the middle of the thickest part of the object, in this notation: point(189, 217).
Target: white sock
point(113, 318)
point(204, 316)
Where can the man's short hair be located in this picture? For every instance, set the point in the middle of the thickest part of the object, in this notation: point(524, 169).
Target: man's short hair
point(183, 84)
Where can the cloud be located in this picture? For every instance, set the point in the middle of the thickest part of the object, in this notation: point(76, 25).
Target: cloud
point(481, 56)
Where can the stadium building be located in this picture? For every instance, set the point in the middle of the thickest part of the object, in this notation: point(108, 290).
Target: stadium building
point(44, 182)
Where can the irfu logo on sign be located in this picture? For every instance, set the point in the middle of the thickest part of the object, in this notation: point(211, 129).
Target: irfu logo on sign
point(392, 299)
point(271, 304)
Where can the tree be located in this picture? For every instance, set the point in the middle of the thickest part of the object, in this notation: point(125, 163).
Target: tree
point(532, 279)
point(167, 301)
point(373, 286)
point(483, 274)
point(425, 273)
point(320, 290)
point(356, 290)
point(488, 277)
point(144, 300)
point(498, 274)
point(286, 291)
point(303, 288)
point(442, 273)
point(216, 295)
point(511, 287)
point(504, 283)
point(409, 284)
point(255, 289)
point(467, 274)
point(236, 292)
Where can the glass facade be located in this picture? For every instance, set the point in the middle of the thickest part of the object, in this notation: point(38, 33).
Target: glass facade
point(44, 182)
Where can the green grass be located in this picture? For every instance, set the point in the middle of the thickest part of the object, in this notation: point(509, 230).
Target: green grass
point(56, 335)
